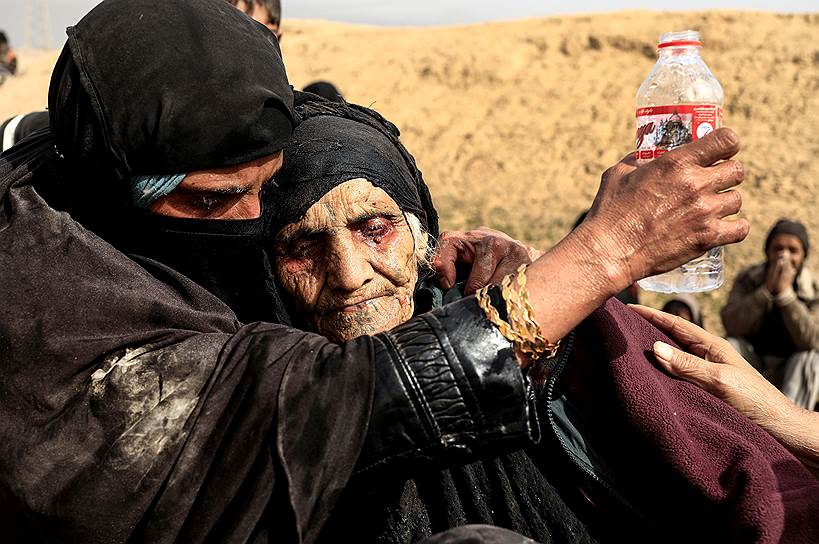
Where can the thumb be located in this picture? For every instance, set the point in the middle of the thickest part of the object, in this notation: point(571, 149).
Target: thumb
point(681, 364)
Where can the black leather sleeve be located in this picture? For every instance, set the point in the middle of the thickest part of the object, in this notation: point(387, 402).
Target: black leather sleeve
point(448, 387)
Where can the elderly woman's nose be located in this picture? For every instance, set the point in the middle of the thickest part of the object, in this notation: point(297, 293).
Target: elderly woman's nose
point(350, 267)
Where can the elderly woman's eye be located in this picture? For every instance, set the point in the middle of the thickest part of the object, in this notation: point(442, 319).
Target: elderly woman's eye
point(376, 229)
point(300, 249)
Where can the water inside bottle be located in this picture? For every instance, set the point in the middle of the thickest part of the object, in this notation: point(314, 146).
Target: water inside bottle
point(705, 273)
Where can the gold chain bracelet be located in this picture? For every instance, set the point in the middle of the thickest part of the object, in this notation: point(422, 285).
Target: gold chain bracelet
point(522, 329)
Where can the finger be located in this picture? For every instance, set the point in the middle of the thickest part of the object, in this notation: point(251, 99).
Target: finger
point(446, 256)
point(726, 203)
point(683, 365)
point(690, 336)
point(731, 231)
point(483, 267)
point(683, 332)
point(719, 145)
point(727, 174)
point(505, 267)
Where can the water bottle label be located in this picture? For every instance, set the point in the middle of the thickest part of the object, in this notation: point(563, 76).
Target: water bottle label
point(662, 128)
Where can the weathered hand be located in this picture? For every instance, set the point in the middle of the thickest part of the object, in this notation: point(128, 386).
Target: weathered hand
point(716, 367)
point(492, 254)
point(656, 217)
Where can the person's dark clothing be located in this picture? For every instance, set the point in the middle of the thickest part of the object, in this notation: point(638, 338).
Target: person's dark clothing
point(16, 128)
point(627, 454)
point(155, 114)
point(325, 89)
point(137, 408)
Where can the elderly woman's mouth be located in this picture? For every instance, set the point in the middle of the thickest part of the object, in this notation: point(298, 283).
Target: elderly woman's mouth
point(355, 307)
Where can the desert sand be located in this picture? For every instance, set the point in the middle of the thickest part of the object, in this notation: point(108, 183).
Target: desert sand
point(512, 123)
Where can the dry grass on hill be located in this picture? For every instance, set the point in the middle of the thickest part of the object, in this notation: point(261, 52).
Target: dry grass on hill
point(513, 123)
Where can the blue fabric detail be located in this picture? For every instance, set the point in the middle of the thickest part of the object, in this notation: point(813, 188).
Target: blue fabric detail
point(145, 190)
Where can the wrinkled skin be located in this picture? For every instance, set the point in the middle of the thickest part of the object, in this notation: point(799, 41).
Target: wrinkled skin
point(491, 253)
point(644, 221)
point(231, 192)
point(664, 213)
point(349, 264)
point(785, 259)
point(712, 364)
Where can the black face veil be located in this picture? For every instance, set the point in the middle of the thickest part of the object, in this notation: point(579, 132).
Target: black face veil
point(160, 88)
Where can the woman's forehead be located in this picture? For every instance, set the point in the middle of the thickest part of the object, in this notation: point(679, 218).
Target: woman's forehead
point(348, 202)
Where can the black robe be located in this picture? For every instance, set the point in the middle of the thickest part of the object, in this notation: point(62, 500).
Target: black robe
point(135, 406)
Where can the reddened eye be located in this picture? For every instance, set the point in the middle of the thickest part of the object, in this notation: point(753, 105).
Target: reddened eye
point(376, 228)
point(305, 247)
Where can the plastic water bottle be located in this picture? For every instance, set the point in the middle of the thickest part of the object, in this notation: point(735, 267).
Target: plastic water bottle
point(679, 102)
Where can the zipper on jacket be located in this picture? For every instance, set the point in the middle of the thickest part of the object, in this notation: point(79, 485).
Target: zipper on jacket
point(550, 389)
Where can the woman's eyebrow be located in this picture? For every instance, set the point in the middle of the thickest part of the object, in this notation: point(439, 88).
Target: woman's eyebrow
point(302, 232)
point(231, 190)
point(372, 214)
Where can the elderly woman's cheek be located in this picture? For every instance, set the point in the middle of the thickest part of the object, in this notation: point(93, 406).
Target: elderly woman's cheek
point(404, 276)
point(300, 282)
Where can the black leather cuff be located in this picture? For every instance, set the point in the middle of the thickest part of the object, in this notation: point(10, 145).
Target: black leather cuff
point(448, 387)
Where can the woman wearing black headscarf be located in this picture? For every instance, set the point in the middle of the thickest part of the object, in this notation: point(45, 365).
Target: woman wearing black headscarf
point(342, 214)
point(136, 407)
point(350, 217)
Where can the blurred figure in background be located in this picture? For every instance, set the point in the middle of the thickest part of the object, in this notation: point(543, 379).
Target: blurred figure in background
point(8, 58)
point(267, 12)
point(325, 89)
point(685, 306)
point(772, 315)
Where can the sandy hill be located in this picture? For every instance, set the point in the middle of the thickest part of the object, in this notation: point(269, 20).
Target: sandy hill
point(512, 123)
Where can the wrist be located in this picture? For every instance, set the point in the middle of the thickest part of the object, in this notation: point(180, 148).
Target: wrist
point(612, 264)
point(785, 296)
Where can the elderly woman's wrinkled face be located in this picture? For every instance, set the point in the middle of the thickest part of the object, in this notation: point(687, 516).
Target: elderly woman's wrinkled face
point(349, 264)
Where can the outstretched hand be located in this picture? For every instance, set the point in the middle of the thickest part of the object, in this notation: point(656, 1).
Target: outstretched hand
point(491, 253)
point(712, 364)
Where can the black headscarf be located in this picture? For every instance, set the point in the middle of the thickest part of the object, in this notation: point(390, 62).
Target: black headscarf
point(335, 143)
point(136, 91)
point(125, 89)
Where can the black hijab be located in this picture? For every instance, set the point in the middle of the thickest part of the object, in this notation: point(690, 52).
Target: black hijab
point(125, 89)
point(126, 99)
point(338, 142)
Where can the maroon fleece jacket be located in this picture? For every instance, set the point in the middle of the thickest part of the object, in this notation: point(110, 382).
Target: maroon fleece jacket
point(687, 460)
